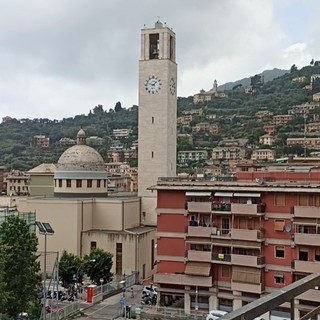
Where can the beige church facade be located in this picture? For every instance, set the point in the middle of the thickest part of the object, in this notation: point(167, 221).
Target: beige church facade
point(111, 224)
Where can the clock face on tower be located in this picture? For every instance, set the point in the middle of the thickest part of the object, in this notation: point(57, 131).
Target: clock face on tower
point(172, 86)
point(153, 84)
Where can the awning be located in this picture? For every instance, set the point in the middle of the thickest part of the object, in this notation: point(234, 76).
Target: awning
point(279, 225)
point(198, 268)
point(198, 240)
point(247, 195)
point(198, 194)
point(224, 194)
point(279, 274)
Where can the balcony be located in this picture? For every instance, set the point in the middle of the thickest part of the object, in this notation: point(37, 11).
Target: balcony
point(247, 209)
point(199, 206)
point(183, 279)
point(199, 231)
point(221, 257)
point(310, 295)
point(306, 266)
point(247, 287)
point(307, 239)
point(247, 235)
point(306, 212)
point(221, 207)
point(249, 261)
point(197, 255)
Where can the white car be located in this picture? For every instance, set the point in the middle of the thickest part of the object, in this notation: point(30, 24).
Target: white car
point(149, 290)
point(215, 314)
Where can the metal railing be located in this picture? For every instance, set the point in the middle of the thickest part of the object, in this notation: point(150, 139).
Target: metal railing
point(64, 312)
point(114, 286)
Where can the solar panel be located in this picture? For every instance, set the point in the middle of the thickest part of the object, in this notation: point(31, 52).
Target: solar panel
point(48, 227)
point(40, 227)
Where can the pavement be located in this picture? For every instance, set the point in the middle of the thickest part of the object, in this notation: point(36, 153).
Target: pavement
point(111, 308)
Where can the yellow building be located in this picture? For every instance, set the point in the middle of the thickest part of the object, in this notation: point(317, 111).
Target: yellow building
point(267, 139)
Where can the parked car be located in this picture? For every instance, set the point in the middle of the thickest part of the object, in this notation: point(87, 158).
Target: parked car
point(215, 314)
point(149, 291)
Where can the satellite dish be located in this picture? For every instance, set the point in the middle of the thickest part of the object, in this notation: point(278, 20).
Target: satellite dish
point(287, 228)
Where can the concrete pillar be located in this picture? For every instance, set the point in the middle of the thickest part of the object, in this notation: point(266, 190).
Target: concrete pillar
point(295, 313)
point(237, 301)
point(187, 303)
point(213, 302)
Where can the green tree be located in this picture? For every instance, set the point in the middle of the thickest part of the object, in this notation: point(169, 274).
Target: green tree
point(68, 266)
point(20, 266)
point(118, 107)
point(101, 267)
point(293, 68)
point(3, 293)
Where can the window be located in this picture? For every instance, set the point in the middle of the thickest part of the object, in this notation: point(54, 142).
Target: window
point(60, 183)
point(303, 200)
point(279, 252)
point(225, 225)
point(98, 183)
point(152, 253)
point(278, 225)
point(89, 183)
point(317, 255)
point(279, 200)
point(79, 183)
point(104, 183)
point(152, 120)
point(68, 183)
point(152, 154)
point(119, 258)
point(279, 278)
point(303, 255)
point(93, 245)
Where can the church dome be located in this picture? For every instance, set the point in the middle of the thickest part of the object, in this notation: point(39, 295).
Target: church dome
point(81, 157)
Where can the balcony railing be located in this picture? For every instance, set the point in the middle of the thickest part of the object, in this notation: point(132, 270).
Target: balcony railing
point(221, 257)
point(183, 279)
point(306, 212)
point(197, 255)
point(247, 235)
point(247, 209)
point(199, 231)
point(306, 266)
point(246, 260)
point(222, 207)
point(194, 206)
point(247, 287)
point(307, 239)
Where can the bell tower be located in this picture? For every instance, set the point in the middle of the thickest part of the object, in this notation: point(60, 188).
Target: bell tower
point(157, 114)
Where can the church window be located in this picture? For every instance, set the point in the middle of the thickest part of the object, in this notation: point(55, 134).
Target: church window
point(154, 46)
point(60, 183)
point(79, 183)
point(89, 183)
point(68, 183)
point(98, 183)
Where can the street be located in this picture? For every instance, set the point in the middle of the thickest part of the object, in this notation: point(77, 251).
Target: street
point(111, 307)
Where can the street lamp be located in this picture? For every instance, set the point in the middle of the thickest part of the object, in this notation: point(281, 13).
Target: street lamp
point(45, 229)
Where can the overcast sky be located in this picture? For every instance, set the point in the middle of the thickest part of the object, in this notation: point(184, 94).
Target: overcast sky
point(60, 58)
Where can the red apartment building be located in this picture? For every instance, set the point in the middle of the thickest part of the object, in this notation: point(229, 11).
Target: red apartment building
point(221, 245)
